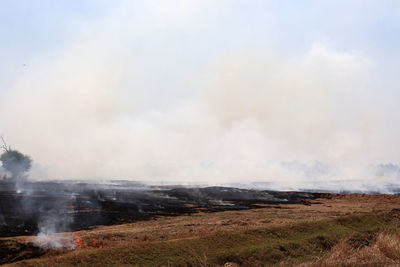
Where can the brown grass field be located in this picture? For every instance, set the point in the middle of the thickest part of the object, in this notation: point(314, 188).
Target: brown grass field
point(341, 230)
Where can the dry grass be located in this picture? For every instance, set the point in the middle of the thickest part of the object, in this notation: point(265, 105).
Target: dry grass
point(260, 237)
point(384, 251)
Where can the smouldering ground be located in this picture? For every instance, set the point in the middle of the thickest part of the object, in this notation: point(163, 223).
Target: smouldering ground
point(287, 234)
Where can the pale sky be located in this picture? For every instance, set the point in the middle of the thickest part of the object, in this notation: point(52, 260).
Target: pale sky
point(203, 91)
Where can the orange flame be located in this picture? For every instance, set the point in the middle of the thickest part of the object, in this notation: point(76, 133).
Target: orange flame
point(96, 244)
point(78, 243)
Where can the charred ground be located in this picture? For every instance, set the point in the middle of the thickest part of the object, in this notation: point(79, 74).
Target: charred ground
point(70, 206)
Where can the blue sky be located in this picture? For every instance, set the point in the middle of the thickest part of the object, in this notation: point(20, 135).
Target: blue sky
point(161, 72)
point(30, 27)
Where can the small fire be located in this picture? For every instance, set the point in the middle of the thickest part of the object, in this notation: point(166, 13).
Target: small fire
point(57, 241)
point(77, 242)
point(61, 241)
point(96, 244)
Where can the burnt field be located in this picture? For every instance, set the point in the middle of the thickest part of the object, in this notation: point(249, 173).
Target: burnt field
point(59, 207)
point(130, 224)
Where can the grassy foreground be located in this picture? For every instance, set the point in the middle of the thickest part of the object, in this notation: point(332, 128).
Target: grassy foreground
point(289, 244)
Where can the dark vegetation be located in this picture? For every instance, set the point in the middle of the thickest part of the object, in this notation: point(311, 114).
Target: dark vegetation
point(14, 162)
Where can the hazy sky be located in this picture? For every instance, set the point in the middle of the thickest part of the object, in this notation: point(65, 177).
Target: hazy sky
point(203, 91)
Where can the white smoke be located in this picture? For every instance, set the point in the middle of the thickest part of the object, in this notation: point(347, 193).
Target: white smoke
point(121, 100)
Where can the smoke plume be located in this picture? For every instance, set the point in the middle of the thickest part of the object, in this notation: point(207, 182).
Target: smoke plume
point(122, 101)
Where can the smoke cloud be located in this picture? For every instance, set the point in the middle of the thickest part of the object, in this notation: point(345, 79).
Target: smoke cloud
point(128, 97)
